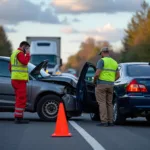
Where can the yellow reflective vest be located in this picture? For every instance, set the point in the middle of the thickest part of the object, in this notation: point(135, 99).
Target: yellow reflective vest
point(109, 70)
point(18, 70)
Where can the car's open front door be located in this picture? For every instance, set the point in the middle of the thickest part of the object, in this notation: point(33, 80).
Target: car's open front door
point(86, 89)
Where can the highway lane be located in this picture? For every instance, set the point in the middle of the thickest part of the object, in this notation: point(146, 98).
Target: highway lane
point(134, 135)
point(36, 135)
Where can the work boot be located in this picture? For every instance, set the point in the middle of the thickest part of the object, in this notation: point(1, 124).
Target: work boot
point(110, 124)
point(21, 121)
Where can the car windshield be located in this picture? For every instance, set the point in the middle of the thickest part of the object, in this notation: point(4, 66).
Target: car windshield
point(138, 70)
point(36, 59)
point(42, 74)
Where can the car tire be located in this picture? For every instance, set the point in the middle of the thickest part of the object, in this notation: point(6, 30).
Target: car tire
point(68, 116)
point(47, 107)
point(118, 118)
point(148, 119)
point(94, 116)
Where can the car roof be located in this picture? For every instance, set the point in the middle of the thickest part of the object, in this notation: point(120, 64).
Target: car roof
point(134, 63)
point(4, 57)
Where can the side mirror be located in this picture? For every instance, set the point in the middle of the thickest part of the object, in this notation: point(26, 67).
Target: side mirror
point(61, 62)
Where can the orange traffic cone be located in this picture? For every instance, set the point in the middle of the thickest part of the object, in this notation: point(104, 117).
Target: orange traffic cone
point(61, 129)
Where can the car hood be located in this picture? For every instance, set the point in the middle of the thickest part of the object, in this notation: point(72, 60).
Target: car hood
point(61, 80)
point(38, 68)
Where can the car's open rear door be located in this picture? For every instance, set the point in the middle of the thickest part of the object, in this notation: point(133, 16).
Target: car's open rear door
point(86, 89)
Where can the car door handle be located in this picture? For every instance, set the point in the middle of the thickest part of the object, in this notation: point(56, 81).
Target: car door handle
point(117, 81)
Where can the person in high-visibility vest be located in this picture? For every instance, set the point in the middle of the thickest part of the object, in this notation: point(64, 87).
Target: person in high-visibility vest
point(19, 78)
point(107, 72)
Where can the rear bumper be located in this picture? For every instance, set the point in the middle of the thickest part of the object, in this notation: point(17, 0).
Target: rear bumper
point(134, 104)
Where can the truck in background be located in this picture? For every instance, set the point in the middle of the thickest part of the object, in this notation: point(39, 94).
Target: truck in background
point(46, 48)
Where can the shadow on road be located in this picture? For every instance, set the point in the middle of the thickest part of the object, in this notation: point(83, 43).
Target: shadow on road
point(128, 123)
point(137, 123)
point(11, 120)
point(85, 120)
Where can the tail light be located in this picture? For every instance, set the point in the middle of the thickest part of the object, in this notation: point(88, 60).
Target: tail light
point(133, 86)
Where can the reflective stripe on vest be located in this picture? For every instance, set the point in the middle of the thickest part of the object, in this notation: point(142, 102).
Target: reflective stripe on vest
point(18, 70)
point(109, 70)
point(21, 109)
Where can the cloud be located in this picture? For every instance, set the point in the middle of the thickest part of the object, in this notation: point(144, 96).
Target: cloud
point(95, 6)
point(76, 20)
point(16, 11)
point(107, 32)
point(75, 41)
point(65, 21)
point(10, 29)
point(68, 30)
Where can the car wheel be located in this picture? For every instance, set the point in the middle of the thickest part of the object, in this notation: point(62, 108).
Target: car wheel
point(48, 107)
point(148, 119)
point(94, 116)
point(118, 118)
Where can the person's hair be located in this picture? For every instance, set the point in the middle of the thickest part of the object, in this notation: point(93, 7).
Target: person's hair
point(24, 43)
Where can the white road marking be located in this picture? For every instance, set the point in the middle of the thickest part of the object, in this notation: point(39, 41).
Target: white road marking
point(93, 143)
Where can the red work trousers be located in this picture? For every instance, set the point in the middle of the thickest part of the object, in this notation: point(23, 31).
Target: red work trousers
point(20, 97)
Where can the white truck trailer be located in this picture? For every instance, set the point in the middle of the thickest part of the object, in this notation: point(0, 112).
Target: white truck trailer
point(46, 48)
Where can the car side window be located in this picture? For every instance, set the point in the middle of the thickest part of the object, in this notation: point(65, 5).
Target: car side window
point(90, 74)
point(4, 71)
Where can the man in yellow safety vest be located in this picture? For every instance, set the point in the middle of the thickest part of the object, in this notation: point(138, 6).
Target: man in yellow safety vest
point(106, 73)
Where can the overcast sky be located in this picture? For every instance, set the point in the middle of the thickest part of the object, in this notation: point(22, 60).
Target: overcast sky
point(72, 20)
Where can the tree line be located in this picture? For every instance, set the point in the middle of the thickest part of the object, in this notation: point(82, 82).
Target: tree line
point(5, 44)
point(136, 43)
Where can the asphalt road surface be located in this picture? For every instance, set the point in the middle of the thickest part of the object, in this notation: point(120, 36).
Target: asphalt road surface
point(134, 135)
